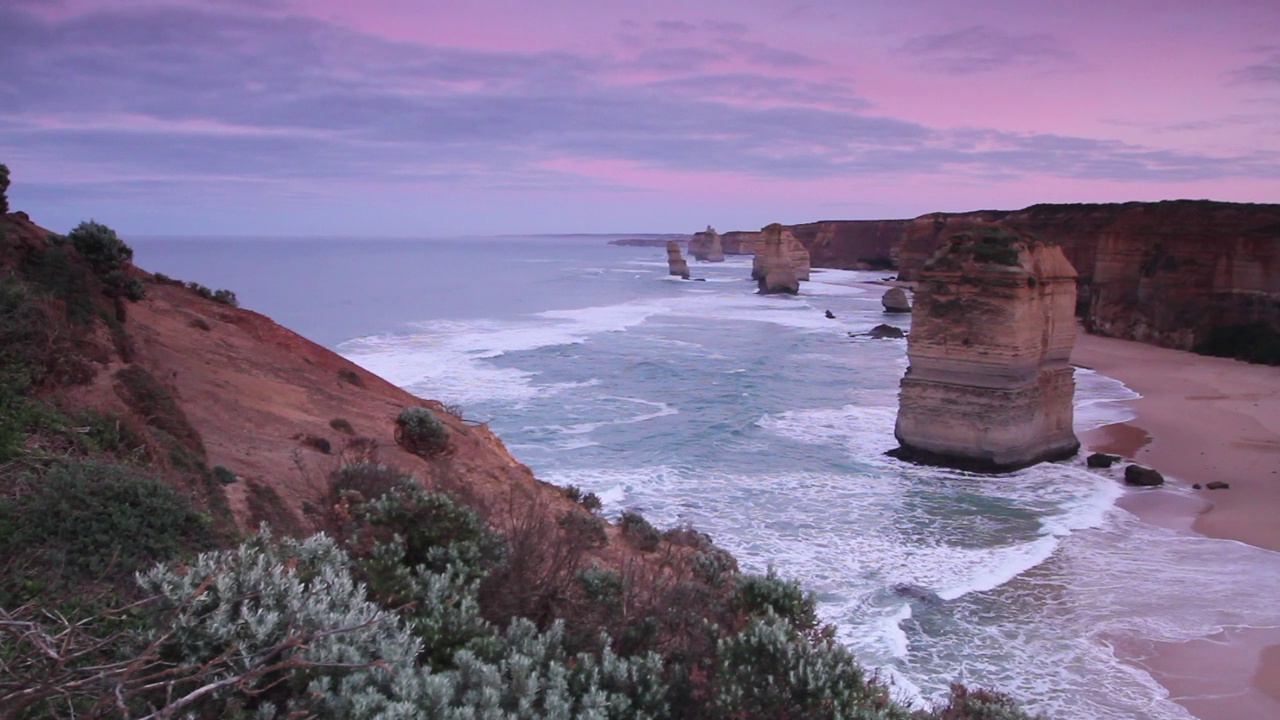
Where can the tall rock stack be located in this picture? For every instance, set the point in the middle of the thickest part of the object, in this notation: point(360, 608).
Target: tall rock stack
point(706, 246)
point(799, 256)
point(989, 386)
point(676, 264)
point(773, 267)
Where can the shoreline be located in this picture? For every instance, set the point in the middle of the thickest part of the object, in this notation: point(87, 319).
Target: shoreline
point(1200, 419)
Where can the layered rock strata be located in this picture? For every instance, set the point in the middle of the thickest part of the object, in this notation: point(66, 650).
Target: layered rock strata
point(706, 246)
point(773, 267)
point(850, 244)
point(740, 242)
point(1166, 273)
point(989, 386)
point(676, 264)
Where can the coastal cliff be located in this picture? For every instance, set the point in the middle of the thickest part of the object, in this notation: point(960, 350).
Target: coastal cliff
point(850, 244)
point(989, 386)
point(1166, 273)
point(1170, 273)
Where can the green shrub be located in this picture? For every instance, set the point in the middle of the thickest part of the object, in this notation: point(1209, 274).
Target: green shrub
point(223, 475)
point(584, 529)
point(966, 704)
point(225, 297)
point(430, 529)
point(769, 671)
point(106, 254)
point(53, 269)
point(289, 605)
point(601, 585)
point(638, 532)
point(4, 188)
point(317, 442)
point(361, 482)
point(93, 518)
point(761, 595)
point(588, 500)
point(419, 431)
point(342, 426)
point(152, 401)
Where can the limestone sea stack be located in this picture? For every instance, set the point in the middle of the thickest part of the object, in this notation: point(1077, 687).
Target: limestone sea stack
point(676, 264)
point(989, 386)
point(799, 256)
point(895, 301)
point(772, 268)
point(706, 246)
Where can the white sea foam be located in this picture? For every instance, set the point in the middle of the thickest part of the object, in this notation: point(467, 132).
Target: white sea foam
point(1101, 400)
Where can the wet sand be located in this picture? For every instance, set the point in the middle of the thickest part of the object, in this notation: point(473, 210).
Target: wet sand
point(1202, 419)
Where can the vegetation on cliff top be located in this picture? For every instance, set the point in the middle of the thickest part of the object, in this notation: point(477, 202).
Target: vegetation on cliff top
point(990, 244)
point(128, 593)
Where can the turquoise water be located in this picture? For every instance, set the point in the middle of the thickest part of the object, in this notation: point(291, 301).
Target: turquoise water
point(762, 422)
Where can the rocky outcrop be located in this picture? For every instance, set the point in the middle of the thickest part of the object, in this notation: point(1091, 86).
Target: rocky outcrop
point(676, 264)
point(850, 244)
point(885, 332)
point(989, 386)
point(773, 268)
point(1142, 477)
point(706, 246)
point(895, 301)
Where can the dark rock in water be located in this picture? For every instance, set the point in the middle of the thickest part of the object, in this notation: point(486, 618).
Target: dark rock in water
point(915, 592)
point(831, 315)
point(699, 279)
point(1101, 460)
point(882, 332)
point(895, 301)
point(1145, 477)
point(1195, 486)
point(1218, 485)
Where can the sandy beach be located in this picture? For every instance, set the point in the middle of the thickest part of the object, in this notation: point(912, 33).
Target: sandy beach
point(1202, 419)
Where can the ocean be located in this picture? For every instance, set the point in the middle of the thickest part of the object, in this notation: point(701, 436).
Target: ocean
point(759, 420)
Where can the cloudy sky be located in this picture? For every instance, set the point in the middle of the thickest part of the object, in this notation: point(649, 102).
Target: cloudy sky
point(442, 117)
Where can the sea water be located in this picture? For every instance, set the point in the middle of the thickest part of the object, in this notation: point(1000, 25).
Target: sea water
point(761, 421)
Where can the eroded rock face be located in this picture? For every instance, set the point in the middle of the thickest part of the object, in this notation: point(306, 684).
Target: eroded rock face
point(850, 244)
point(989, 387)
point(676, 264)
point(799, 255)
point(895, 301)
point(773, 268)
point(706, 246)
point(1166, 273)
point(740, 242)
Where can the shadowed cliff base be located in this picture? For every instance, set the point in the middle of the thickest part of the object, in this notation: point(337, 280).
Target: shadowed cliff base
point(986, 465)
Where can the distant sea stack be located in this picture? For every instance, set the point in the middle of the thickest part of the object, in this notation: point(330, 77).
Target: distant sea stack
point(706, 246)
point(989, 387)
point(676, 264)
point(773, 267)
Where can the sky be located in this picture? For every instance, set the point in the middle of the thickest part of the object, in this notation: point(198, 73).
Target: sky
point(452, 117)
